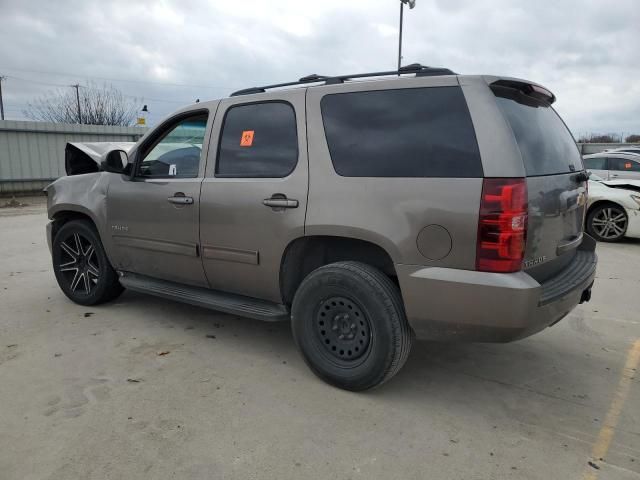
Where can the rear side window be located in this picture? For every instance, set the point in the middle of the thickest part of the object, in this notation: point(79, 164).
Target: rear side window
point(258, 140)
point(624, 164)
point(416, 132)
point(595, 163)
point(546, 145)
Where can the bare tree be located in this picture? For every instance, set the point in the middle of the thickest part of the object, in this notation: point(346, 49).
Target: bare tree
point(600, 138)
point(99, 105)
point(633, 139)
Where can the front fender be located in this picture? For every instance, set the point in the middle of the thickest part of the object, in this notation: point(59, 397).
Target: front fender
point(85, 194)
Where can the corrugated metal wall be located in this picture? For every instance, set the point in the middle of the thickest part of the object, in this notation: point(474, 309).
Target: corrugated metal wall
point(32, 153)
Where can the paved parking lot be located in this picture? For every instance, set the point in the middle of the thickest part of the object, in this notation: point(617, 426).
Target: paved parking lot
point(146, 388)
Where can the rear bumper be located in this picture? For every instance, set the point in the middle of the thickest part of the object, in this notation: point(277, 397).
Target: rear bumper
point(461, 305)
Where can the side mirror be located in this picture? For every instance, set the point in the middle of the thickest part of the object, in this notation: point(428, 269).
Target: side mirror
point(116, 161)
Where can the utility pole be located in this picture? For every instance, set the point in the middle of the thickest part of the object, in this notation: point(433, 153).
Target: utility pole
point(411, 3)
point(77, 87)
point(1, 104)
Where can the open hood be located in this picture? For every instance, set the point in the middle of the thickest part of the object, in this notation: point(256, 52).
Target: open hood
point(82, 158)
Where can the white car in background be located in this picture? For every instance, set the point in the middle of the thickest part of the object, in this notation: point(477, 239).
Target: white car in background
point(614, 164)
point(613, 209)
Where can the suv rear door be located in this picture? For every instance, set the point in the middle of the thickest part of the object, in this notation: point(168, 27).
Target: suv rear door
point(254, 195)
point(624, 167)
point(557, 195)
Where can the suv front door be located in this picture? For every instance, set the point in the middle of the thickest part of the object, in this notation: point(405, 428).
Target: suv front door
point(153, 216)
point(254, 196)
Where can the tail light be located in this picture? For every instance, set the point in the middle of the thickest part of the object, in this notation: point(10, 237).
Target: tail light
point(502, 225)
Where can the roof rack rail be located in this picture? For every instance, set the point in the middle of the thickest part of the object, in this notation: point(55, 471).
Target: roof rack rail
point(415, 68)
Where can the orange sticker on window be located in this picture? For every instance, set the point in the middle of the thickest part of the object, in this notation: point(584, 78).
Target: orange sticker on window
point(627, 165)
point(247, 138)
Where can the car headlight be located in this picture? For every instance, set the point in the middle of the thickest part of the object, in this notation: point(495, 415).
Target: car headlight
point(636, 198)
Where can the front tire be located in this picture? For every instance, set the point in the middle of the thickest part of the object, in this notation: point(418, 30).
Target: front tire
point(607, 222)
point(81, 266)
point(349, 323)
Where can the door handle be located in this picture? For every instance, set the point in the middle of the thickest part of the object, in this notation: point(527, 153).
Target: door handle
point(178, 199)
point(279, 201)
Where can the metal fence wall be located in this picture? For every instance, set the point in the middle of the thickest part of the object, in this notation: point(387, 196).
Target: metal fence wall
point(32, 153)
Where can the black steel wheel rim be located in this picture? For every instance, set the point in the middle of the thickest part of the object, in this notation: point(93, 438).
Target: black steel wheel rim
point(343, 330)
point(78, 264)
point(610, 223)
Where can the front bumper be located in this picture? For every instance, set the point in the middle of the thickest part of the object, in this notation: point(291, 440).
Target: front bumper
point(461, 305)
point(633, 227)
point(49, 235)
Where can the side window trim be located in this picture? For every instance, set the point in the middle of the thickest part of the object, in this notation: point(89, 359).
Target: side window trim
point(160, 133)
point(227, 109)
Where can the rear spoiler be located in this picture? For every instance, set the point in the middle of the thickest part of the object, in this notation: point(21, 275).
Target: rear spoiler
point(528, 88)
point(82, 158)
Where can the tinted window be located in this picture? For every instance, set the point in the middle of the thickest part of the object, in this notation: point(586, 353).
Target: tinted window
point(624, 165)
point(595, 163)
point(178, 152)
point(545, 143)
point(417, 132)
point(258, 140)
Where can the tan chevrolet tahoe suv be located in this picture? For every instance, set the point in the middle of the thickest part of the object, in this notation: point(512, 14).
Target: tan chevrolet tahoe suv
point(364, 209)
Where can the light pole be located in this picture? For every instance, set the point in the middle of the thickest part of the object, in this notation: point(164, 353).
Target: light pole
point(1, 104)
point(411, 3)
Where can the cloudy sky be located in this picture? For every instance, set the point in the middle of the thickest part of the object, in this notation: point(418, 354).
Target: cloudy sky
point(168, 53)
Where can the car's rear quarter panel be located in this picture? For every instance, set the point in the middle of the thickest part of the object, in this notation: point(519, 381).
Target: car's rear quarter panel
point(389, 212)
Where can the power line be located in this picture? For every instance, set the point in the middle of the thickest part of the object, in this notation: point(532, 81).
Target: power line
point(111, 79)
point(35, 81)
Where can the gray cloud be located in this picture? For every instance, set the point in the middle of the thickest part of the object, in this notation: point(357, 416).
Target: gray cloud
point(585, 51)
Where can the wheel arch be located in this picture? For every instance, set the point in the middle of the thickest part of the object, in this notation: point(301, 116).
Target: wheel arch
point(65, 214)
point(602, 202)
point(304, 254)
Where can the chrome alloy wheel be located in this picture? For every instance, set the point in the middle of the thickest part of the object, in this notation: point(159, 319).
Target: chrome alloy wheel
point(610, 223)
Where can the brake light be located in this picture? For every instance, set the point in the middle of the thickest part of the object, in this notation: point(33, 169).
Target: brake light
point(502, 225)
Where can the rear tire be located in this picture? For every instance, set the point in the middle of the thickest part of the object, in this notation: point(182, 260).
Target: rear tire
point(607, 222)
point(349, 323)
point(81, 265)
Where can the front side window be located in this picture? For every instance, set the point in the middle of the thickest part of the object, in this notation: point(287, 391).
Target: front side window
point(258, 140)
point(178, 153)
point(413, 132)
point(595, 163)
point(623, 164)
